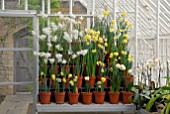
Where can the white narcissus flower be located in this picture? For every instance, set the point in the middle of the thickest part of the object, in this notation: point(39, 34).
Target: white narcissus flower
point(70, 52)
point(64, 61)
point(86, 78)
point(54, 39)
point(42, 37)
point(75, 34)
point(45, 61)
point(118, 66)
point(33, 33)
point(81, 18)
point(60, 25)
point(42, 54)
point(74, 56)
point(49, 45)
point(52, 60)
point(130, 71)
point(36, 53)
point(81, 34)
point(73, 16)
point(58, 79)
point(47, 30)
point(85, 52)
point(67, 37)
point(57, 46)
point(47, 55)
point(122, 67)
point(59, 56)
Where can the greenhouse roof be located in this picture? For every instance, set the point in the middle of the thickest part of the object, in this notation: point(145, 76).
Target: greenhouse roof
point(147, 17)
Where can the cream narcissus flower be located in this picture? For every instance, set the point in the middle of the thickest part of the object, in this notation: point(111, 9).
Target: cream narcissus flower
point(71, 83)
point(122, 67)
point(102, 70)
point(64, 80)
point(126, 36)
point(87, 78)
point(99, 86)
point(99, 82)
point(75, 80)
point(106, 13)
point(61, 73)
point(116, 54)
point(53, 76)
point(111, 30)
point(121, 19)
point(103, 79)
point(130, 71)
point(70, 76)
point(105, 44)
point(105, 39)
point(124, 14)
point(94, 51)
point(42, 73)
point(118, 66)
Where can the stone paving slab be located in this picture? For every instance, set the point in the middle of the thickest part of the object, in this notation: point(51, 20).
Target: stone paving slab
point(16, 104)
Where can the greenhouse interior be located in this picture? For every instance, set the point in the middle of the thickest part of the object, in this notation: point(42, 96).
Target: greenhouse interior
point(85, 56)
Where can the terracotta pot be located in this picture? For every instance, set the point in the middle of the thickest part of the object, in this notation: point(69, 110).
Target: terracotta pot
point(66, 69)
point(79, 81)
point(86, 98)
point(126, 96)
point(114, 97)
point(45, 97)
point(99, 97)
point(92, 81)
point(59, 97)
point(127, 80)
point(105, 83)
point(73, 98)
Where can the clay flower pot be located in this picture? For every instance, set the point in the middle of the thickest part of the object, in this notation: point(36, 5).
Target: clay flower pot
point(126, 96)
point(86, 98)
point(105, 83)
point(59, 97)
point(127, 80)
point(114, 97)
point(99, 97)
point(92, 81)
point(73, 98)
point(79, 81)
point(45, 97)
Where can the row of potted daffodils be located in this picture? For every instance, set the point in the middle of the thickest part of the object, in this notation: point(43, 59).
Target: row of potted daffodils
point(99, 52)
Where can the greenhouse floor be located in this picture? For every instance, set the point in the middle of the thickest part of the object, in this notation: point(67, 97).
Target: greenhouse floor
point(21, 103)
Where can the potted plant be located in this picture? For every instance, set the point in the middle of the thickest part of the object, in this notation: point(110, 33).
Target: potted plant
point(99, 93)
point(87, 95)
point(73, 94)
point(114, 93)
point(161, 93)
point(60, 90)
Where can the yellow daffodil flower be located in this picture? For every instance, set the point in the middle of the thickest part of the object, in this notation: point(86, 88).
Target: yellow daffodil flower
point(113, 22)
point(124, 53)
point(70, 76)
point(116, 54)
point(126, 36)
point(61, 73)
point(87, 43)
point(42, 73)
point(111, 55)
point(111, 30)
point(100, 40)
point(99, 86)
point(106, 13)
point(71, 83)
point(126, 22)
point(53, 76)
point(130, 26)
point(64, 80)
point(75, 80)
point(105, 44)
point(124, 14)
point(121, 19)
point(103, 79)
point(94, 51)
point(125, 41)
